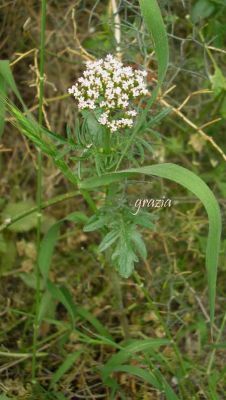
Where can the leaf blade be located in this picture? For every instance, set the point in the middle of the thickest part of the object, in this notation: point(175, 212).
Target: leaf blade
point(153, 19)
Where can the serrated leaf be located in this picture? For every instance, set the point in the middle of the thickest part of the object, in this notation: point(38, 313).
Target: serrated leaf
point(144, 220)
point(139, 244)
point(108, 240)
point(94, 223)
point(126, 260)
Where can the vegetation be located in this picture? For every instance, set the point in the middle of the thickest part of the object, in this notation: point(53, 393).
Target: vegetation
point(100, 299)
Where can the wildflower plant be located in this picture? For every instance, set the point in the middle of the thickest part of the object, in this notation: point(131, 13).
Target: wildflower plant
point(105, 149)
point(108, 135)
point(110, 89)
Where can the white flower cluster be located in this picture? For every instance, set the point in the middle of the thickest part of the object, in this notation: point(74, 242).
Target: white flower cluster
point(109, 86)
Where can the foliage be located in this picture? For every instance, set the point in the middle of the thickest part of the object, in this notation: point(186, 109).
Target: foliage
point(81, 347)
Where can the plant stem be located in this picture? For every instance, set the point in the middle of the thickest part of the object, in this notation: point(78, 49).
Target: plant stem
point(39, 188)
point(212, 356)
point(119, 298)
point(55, 200)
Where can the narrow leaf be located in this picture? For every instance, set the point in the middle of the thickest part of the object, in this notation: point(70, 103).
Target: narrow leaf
point(46, 249)
point(132, 349)
point(3, 91)
point(59, 295)
point(67, 364)
point(84, 314)
point(6, 73)
point(153, 19)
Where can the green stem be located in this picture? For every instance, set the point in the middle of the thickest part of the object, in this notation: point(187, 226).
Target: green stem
point(212, 356)
point(46, 204)
point(115, 280)
point(120, 305)
point(39, 188)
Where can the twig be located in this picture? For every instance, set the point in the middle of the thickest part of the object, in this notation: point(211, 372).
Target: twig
point(117, 28)
point(194, 126)
point(21, 56)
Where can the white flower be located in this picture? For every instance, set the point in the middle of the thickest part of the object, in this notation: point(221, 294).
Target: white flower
point(108, 85)
point(132, 113)
point(103, 119)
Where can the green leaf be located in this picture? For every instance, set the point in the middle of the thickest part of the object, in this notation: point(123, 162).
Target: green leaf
point(47, 307)
point(77, 216)
point(94, 223)
point(63, 295)
point(84, 314)
point(202, 9)
point(3, 92)
point(59, 295)
point(131, 349)
point(60, 396)
point(4, 397)
point(139, 244)
point(153, 18)
point(144, 219)
point(197, 186)
point(67, 364)
point(46, 249)
point(25, 224)
point(126, 259)
point(49, 241)
point(30, 280)
point(141, 373)
point(6, 73)
point(108, 240)
point(218, 81)
point(154, 378)
point(6, 82)
point(31, 129)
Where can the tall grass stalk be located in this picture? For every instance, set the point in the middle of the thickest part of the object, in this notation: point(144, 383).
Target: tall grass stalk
point(39, 187)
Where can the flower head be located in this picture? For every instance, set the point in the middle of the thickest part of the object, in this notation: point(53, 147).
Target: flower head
point(109, 86)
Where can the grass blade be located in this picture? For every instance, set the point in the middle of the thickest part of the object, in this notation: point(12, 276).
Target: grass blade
point(153, 19)
point(47, 248)
point(67, 364)
point(3, 92)
point(130, 350)
point(6, 74)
